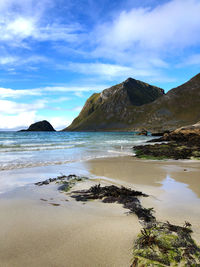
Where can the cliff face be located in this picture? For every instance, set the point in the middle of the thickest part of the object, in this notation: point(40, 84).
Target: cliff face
point(134, 105)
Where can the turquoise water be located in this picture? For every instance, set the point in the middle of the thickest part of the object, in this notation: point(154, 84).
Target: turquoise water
point(31, 149)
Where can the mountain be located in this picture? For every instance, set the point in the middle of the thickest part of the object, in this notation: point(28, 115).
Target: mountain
point(40, 126)
point(135, 105)
point(113, 108)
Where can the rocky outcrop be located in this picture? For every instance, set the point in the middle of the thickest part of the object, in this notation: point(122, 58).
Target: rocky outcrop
point(182, 143)
point(40, 126)
point(134, 105)
point(143, 132)
point(187, 134)
point(159, 133)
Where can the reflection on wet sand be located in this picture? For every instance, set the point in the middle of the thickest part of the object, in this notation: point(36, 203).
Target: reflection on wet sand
point(174, 185)
point(149, 173)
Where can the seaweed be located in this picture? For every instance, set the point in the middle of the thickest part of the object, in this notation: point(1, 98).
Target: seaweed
point(121, 195)
point(165, 244)
point(67, 182)
point(159, 244)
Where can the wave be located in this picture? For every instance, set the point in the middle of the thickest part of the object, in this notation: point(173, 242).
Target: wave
point(21, 149)
point(12, 166)
point(26, 152)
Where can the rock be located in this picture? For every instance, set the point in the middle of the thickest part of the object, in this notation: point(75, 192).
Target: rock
point(188, 134)
point(167, 151)
point(159, 133)
point(40, 126)
point(183, 143)
point(143, 132)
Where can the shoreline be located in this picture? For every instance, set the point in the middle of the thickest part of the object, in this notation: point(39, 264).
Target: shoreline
point(35, 227)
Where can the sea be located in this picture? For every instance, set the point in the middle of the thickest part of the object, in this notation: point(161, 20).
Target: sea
point(29, 157)
point(32, 149)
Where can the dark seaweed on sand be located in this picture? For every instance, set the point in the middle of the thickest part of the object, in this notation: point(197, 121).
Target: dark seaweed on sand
point(122, 195)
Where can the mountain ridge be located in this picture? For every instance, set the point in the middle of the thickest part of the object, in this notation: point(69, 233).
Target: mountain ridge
point(135, 105)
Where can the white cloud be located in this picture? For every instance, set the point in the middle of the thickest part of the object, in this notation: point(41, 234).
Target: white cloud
point(147, 39)
point(11, 63)
point(22, 21)
point(108, 70)
point(172, 25)
point(46, 91)
point(74, 89)
point(24, 119)
point(8, 92)
point(57, 32)
point(59, 123)
point(11, 107)
point(8, 60)
point(17, 121)
point(59, 99)
point(18, 28)
point(79, 94)
point(14, 32)
point(190, 61)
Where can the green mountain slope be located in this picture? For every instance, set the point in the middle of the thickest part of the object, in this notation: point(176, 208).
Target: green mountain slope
point(134, 105)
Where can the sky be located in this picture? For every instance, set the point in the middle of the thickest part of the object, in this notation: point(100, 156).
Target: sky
point(55, 53)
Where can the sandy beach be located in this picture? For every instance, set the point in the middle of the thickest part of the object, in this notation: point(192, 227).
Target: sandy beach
point(35, 232)
point(173, 186)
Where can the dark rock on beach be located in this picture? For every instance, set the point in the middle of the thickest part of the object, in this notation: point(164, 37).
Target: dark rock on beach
point(189, 134)
point(183, 143)
point(170, 150)
point(143, 132)
point(159, 133)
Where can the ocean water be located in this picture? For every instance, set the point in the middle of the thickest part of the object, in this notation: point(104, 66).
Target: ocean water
point(32, 149)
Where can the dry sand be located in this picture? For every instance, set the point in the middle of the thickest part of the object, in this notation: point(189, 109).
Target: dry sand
point(35, 233)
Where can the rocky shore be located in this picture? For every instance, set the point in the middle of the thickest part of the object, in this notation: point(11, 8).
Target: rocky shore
point(183, 143)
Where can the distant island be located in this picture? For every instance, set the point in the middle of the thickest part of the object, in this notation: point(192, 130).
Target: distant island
point(134, 105)
point(40, 126)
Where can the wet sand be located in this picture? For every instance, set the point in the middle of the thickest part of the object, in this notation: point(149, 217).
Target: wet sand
point(34, 232)
point(174, 186)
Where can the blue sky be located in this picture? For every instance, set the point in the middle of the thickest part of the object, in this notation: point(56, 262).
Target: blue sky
point(55, 53)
